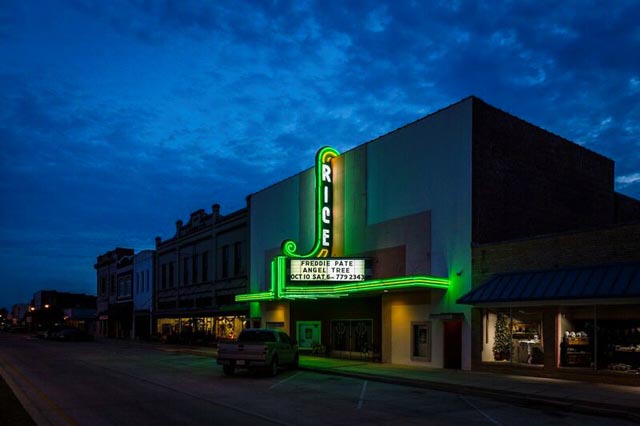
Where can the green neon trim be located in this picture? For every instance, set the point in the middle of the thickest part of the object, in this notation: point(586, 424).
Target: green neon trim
point(289, 247)
point(343, 290)
point(372, 285)
point(282, 275)
point(273, 277)
point(254, 297)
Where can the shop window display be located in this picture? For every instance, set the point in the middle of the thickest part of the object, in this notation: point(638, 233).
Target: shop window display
point(605, 338)
point(618, 338)
point(577, 337)
point(514, 335)
point(199, 330)
point(619, 345)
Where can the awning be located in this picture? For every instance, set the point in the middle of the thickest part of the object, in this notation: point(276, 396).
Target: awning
point(619, 281)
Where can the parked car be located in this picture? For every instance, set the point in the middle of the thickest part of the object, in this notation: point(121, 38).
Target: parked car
point(70, 334)
point(51, 333)
point(258, 348)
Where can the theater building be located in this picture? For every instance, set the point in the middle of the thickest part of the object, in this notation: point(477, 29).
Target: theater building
point(371, 252)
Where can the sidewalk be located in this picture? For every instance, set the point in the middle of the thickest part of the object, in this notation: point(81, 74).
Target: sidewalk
point(584, 397)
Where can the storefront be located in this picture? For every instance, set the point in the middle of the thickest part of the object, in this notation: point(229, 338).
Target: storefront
point(200, 329)
point(569, 321)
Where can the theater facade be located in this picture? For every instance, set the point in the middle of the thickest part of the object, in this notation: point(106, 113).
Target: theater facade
point(373, 252)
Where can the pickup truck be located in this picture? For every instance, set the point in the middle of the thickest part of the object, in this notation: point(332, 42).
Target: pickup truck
point(258, 348)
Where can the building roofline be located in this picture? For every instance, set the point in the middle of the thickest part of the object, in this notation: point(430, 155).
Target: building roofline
point(411, 123)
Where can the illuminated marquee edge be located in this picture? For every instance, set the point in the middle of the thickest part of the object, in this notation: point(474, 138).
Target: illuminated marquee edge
point(282, 291)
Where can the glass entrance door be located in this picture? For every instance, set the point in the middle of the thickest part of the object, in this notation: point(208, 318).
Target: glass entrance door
point(352, 335)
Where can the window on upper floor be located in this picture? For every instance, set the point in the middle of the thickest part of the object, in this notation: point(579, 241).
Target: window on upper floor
point(194, 269)
point(185, 271)
point(171, 275)
point(226, 261)
point(164, 276)
point(205, 266)
point(238, 254)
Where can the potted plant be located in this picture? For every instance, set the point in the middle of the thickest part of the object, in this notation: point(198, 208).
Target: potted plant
point(502, 339)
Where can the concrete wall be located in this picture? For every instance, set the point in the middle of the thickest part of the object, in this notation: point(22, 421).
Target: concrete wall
point(426, 167)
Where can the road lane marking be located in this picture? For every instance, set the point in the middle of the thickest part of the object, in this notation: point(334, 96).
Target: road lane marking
point(364, 389)
point(285, 380)
point(192, 395)
point(488, 417)
point(54, 406)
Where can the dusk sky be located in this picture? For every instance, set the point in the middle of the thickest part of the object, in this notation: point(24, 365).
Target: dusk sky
point(119, 117)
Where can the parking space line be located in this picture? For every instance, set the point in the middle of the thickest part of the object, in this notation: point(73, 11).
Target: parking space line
point(285, 380)
point(488, 417)
point(364, 388)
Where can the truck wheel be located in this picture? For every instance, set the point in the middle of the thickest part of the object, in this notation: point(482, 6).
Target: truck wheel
point(273, 368)
point(228, 370)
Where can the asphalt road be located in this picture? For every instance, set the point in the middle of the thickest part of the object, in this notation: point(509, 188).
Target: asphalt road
point(123, 383)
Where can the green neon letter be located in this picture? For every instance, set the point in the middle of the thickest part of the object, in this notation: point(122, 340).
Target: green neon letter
point(324, 208)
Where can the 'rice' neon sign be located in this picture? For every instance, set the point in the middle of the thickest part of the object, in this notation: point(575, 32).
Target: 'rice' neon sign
point(324, 209)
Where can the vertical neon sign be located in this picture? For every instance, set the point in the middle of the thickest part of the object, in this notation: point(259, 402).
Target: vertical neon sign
point(324, 208)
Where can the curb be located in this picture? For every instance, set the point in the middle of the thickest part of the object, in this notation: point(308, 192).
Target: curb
point(518, 398)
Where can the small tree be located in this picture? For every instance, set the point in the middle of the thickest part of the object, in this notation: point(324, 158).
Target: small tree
point(502, 339)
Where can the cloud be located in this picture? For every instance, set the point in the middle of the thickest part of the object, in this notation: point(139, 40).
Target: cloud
point(628, 179)
point(127, 115)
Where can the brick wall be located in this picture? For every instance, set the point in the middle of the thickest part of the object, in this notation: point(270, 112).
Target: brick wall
point(627, 209)
point(528, 181)
point(613, 244)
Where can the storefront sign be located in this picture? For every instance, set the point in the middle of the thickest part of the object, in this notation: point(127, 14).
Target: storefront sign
point(341, 269)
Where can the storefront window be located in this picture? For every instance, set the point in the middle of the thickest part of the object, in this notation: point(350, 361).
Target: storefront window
point(229, 327)
point(577, 337)
point(613, 346)
point(513, 335)
point(200, 330)
point(618, 342)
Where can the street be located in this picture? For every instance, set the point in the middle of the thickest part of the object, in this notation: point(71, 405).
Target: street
point(126, 383)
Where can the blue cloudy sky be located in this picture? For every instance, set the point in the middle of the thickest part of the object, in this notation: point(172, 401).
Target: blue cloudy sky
point(119, 117)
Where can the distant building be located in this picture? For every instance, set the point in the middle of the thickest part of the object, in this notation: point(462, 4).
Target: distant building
point(143, 279)
point(63, 300)
point(48, 308)
point(114, 270)
point(199, 271)
point(18, 313)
